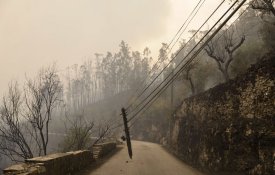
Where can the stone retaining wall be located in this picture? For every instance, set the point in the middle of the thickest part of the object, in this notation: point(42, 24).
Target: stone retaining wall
point(102, 149)
point(230, 127)
point(60, 163)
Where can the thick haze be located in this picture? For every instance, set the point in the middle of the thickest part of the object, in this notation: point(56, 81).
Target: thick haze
point(35, 33)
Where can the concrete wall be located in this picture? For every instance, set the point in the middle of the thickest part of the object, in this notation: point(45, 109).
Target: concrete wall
point(60, 163)
point(230, 127)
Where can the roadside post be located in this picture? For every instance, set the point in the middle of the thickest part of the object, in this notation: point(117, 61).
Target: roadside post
point(127, 133)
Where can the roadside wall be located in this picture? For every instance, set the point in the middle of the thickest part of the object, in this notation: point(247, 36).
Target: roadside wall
point(60, 163)
point(230, 127)
point(100, 150)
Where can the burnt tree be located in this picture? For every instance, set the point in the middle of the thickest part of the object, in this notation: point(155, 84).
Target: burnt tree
point(222, 51)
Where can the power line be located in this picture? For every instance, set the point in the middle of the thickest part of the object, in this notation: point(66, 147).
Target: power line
point(179, 51)
point(185, 56)
point(185, 22)
point(194, 55)
point(172, 79)
point(187, 25)
point(147, 107)
point(140, 94)
point(192, 58)
point(195, 10)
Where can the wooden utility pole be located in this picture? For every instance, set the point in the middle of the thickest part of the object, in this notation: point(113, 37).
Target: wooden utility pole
point(172, 105)
point(127, 133)
point(172, 91)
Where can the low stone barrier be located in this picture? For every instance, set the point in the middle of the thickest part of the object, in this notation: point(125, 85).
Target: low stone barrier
point(60, 163)
point(25, 169)
point(100, 150)
point(57, 164)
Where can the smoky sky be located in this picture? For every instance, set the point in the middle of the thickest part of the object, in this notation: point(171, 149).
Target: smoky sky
point(34, 33)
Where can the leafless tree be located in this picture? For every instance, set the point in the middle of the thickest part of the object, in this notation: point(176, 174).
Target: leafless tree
point(81, 133)
point(222, 51)
point(103, 131)
point(13, 140)
point(187, 75)
point(78, 133)
point(41, 97)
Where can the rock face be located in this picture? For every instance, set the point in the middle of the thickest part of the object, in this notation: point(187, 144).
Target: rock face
point(230, 127)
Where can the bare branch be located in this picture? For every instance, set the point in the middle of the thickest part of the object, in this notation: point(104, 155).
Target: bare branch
point(42, 96)
point(13, 141)
point(222, 52)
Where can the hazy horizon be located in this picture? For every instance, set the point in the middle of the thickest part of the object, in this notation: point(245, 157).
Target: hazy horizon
point(35, 33)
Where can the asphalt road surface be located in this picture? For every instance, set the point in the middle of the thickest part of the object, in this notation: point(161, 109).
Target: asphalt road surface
point(148, 159)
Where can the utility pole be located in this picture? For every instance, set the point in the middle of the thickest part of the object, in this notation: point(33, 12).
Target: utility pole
point(172, 91)
point(127, 133)
point(172, 106)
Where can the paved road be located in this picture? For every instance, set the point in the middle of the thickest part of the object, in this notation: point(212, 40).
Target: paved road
point(148, 159)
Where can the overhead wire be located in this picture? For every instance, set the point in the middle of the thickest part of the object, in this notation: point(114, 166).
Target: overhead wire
point(187, 21)
point(185, 56)
point(165, 86)
point(195, 54)
point(147, 107)
point(187, 26)
point(182, 48)
point(181, 29)
point(194, 12)
point(190, 39)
